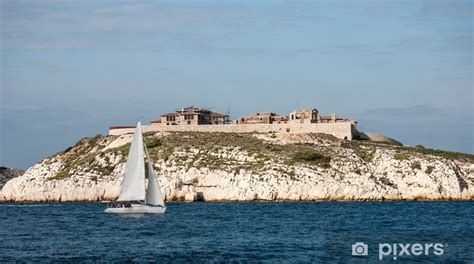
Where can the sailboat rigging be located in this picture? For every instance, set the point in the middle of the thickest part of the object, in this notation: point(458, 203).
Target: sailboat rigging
point(138, 195)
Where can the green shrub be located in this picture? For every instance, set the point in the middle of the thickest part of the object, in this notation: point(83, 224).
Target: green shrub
point(429, 169)
point(416, 165)
point(446, 154)
point(309, 156)
point(153, 143)
point(401, 156)
point(167, 153)
point(366, 154)
point(63, 174)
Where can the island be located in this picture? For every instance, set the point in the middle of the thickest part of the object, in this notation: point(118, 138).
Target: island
point(271, 157)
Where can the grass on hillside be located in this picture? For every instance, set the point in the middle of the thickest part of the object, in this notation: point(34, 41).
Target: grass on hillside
point(210, 155)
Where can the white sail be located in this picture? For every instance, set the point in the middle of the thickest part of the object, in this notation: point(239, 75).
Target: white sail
point(153, 192)
point(133, 184)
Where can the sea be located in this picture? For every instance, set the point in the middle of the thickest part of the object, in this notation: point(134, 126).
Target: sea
point(248, 232)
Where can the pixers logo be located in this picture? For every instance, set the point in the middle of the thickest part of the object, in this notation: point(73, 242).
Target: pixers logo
point(395, 250)
point(399, 249)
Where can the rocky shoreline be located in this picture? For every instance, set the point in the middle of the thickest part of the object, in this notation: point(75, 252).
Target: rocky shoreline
point(251, 167)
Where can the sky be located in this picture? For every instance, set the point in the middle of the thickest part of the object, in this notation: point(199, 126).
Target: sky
point(71, 69)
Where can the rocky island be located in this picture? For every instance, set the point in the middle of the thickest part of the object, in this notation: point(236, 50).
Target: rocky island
point(273, 166)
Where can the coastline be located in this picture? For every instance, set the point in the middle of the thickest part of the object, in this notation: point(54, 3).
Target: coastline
point(414, 200)
point(253, 167)
point(315, 200)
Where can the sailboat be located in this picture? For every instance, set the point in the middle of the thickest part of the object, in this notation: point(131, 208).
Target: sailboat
point(138, 196)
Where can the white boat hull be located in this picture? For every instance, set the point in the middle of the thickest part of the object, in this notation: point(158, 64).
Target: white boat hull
point(137, 209)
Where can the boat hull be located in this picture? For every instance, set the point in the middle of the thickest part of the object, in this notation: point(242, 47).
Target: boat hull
point(136, 209)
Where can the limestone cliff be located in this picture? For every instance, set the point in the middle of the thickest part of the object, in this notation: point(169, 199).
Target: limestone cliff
point(247, 167)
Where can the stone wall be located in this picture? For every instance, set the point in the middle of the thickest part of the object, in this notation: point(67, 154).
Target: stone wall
point(345, 130)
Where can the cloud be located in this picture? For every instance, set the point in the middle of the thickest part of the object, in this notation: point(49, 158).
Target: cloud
point(68, 25)
point(112, 25)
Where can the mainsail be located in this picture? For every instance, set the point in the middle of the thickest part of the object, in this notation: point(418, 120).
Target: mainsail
point(133, 185)
point(153, 192)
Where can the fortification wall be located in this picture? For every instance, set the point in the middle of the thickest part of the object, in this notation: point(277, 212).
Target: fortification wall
point(344, 130)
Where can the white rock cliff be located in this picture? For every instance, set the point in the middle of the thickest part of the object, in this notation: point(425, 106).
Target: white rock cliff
point(237, 167)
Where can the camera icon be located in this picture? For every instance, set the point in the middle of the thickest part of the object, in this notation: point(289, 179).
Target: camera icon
point(360, 249)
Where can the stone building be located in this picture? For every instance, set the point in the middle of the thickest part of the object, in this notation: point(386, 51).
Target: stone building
point(198, 119)
point(333, 119)
point(263, 118)
point(192, 115)
point(309, 116)
point(304, 116)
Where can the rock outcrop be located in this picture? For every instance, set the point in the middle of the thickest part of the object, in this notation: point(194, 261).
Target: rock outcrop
point(377, 138)
point(8, 173)
point(248, 167)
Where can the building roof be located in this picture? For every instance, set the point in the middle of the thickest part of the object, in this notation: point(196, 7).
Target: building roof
point(192, 108)
point(218, 114)
point(337, 118)
point(189, 112)
point(305, 109)
point(170, 114)
point(259, 114)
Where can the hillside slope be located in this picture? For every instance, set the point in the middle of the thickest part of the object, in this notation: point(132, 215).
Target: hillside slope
point(247, 167)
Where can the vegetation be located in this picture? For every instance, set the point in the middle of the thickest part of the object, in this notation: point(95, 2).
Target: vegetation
point(83, 155)
point(446, 154)
point(416, 165)
point(235, 152)
point(153, 143)
point(404, 152)
point(366, 154)
point(429, 169)
point(312, 157)
point(365, 151)
point(401, 156)
point(206, 150)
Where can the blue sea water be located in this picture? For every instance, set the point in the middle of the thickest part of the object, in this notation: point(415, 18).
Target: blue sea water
point(295, 232)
